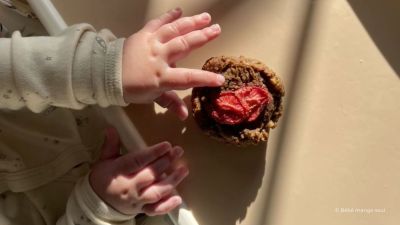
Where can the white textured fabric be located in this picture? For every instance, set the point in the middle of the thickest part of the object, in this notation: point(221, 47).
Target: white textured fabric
point(84, 203)
point(49, 131)
point(38, 72)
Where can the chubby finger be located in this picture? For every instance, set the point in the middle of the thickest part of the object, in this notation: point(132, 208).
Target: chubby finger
point(182, 26)
point(156, 169)
point(181, 46)
point(183, 78)
point(165, 187)
point(134, 161)
point(173, 103)
point(165, 18)
point(163, 207)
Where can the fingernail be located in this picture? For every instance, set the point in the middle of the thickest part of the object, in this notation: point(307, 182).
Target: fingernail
point(177, 9)
point(221, 79)
point(166, 144)
point(178, 201)
point(205, 16)
point(215, 27)
point(162, 148)
point(179, 151)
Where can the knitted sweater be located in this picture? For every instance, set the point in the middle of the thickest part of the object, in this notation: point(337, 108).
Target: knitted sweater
point(50, 132)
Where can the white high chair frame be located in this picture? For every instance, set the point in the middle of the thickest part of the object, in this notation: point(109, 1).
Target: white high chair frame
point(130, 137)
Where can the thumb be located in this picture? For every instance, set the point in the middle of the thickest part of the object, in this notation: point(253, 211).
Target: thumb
point(111, 145)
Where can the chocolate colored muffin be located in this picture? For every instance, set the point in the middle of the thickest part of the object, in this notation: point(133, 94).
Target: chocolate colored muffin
point(243, 110)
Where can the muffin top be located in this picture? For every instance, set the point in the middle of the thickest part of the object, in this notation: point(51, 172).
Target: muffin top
point(245, 107)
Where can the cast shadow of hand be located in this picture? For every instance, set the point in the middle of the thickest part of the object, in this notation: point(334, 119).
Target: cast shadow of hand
point(223, 181)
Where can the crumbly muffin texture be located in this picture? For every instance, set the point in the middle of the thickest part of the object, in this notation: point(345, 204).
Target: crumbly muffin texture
point(239, 72)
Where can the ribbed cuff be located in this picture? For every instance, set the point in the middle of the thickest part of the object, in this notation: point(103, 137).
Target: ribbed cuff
point(113, 73)
point(91, 202)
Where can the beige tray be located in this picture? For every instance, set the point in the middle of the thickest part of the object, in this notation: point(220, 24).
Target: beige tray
point(335, 158)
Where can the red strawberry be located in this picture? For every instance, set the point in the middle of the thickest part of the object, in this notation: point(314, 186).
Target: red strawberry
point(228, 109)
point(243, 104)
point(254, 100)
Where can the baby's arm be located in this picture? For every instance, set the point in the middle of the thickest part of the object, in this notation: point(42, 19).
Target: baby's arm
point(74, 69)
point(119, 187)
point(80, 67)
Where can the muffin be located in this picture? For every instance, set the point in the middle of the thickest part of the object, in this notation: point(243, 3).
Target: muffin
point(245, 107)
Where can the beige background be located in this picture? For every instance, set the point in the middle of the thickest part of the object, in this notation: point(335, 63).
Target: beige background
point(335, 158)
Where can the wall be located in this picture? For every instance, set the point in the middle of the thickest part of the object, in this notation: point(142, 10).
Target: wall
point(335, 157)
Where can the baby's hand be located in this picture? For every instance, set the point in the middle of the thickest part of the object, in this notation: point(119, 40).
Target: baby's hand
point(149, 56)
point(137, 182)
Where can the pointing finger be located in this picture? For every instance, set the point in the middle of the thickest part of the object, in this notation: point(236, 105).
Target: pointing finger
point(182, 78)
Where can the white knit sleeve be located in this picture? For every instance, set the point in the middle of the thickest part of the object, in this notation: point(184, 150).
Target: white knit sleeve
point(85, 207)
point(78, 67)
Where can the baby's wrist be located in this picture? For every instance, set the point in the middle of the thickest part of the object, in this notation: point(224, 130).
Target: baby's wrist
point(95, 203)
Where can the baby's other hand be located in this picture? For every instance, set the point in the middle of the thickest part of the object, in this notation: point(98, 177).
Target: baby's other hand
point(138, 182)
point(149, 56)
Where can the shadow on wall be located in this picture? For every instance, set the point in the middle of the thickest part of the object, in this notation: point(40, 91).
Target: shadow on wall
point(224, 179)
point(292, 94)
point(381, 20)
point(126, 13)
point(220, 8)
point(127, 16)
